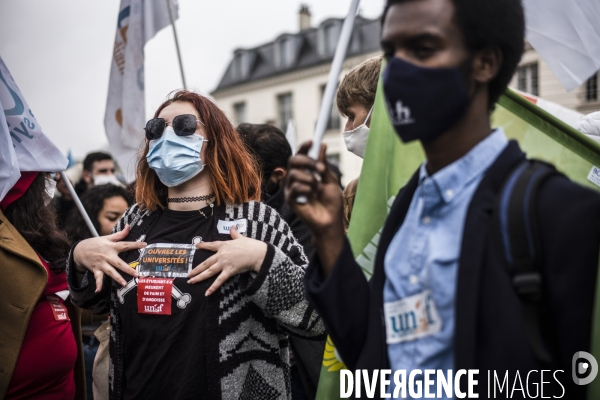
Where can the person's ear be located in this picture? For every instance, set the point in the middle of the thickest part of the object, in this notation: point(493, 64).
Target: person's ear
point(278, 174)
point(87, 176)
point(486, 65)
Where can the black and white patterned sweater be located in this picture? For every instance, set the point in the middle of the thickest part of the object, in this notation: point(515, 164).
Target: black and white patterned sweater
point(268, 305)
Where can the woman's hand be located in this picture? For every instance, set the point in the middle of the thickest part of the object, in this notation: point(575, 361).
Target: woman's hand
point(233, 257)
point(101, 256)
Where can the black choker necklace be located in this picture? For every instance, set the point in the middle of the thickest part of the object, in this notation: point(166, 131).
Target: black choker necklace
point(190, 199)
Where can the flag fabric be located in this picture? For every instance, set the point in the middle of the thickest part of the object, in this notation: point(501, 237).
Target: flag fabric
point(71, 159)
point(290, 135)
point(9, 168)
point(567, 36)
point(389, 164)
point(590, 125)
point(124, 121)
point(563, 113)
point(23, 144)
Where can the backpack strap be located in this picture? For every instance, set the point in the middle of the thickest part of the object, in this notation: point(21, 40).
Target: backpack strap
point(521, 243)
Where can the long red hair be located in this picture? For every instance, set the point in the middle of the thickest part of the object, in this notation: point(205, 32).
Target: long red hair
point(234, 171)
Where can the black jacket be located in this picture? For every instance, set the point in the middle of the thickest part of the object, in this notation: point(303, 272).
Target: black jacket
point(489, 333)
point(307, 354)
point(300, 231)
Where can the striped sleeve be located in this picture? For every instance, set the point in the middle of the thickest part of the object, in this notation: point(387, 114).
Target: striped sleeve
point(129, 216)
point(278, 287)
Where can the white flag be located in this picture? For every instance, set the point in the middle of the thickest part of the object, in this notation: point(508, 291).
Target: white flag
point(290, 135)
point(124, 121)
point(23, 145)
point(566, 33)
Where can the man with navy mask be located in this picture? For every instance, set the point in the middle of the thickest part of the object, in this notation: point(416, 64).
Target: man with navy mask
point(439, 262)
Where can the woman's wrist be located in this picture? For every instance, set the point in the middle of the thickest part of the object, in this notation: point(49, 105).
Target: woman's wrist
point(78, 267)
point(260, 258)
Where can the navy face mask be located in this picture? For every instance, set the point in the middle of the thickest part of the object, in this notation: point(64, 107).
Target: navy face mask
point(422, 102)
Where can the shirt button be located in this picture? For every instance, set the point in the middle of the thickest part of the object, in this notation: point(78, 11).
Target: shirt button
point(450, 193)
point(426, 220)
point(413, 279)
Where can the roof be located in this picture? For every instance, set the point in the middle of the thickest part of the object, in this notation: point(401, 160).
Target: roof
point(262, 61)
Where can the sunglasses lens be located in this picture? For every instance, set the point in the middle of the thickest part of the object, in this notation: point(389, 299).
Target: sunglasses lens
point(154, 128)
point(184, 125)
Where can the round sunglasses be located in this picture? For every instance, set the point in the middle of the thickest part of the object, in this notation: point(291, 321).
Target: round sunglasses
point(183, 125)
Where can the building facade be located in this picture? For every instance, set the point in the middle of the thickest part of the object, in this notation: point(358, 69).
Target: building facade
point(534, 76)
point(284, 80)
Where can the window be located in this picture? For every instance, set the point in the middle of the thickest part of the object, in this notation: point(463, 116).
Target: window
point(241, 65)
point(328, 35)
point(239, 112)
point(284, 103)
point(334, 116)
point(527, 79)
point(591, 88)
point(331, 38)
point(287, 52)
point(355, 41)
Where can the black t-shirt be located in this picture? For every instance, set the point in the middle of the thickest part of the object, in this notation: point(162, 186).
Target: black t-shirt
point(165, 357)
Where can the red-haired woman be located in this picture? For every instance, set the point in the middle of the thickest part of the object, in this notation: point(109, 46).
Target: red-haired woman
point(219, 330)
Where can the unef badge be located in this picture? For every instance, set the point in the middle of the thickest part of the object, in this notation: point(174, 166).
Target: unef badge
point(411, 318)
point(154, 295)
point(58, 309)
point(224, 227)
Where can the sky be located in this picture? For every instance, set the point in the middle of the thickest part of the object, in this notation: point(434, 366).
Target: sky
point(59, 53)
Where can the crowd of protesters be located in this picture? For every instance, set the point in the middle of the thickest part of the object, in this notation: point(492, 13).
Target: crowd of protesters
point(256, 279)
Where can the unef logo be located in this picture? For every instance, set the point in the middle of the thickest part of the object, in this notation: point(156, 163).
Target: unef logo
point(407, 323)
point(411, 318)
point(584, 367)
point(154, 309)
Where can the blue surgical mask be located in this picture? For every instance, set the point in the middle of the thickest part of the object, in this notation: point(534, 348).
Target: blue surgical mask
point(423, 102)
point(175, 159)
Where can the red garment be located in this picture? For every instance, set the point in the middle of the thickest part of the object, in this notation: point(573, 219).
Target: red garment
point(46, 365)
point(18, 190)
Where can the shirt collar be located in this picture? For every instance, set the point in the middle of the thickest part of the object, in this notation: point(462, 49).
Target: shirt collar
point(452, 179)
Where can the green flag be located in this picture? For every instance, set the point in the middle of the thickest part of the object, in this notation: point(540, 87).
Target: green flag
point(389, 164)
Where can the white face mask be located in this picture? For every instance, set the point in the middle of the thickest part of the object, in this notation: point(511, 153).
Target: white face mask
point(356, 139)
point(50, 190)
point(106, 179)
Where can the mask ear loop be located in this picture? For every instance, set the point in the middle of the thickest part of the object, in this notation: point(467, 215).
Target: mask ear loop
point(364, 123)
point(369, 115)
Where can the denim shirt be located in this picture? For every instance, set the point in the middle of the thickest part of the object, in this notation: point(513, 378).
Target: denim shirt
point(424, 254)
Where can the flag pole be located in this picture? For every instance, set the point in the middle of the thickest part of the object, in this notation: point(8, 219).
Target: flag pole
point(176, 44)
point(84, 214)
point(328, 95)
point(334, 73)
